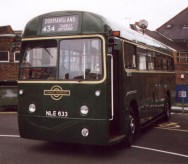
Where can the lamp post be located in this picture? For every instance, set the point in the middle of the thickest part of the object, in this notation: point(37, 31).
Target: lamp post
point(183, 94)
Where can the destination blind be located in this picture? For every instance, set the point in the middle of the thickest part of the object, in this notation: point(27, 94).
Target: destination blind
point(60, 24)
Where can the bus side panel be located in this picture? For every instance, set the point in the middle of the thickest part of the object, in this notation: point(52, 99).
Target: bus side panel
point(139, 88)
point(150, 92)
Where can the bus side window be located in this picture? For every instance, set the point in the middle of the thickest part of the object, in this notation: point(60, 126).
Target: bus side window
point(170, 64)
point(151, 60)
point(142, 56)
point(159, 61)
point(164, 63)
point(129, 56)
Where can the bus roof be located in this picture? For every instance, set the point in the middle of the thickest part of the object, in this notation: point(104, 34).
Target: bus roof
point(62, 23)
point(65, 23)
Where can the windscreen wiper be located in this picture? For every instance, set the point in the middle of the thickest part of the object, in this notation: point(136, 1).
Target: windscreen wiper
point(48, 52)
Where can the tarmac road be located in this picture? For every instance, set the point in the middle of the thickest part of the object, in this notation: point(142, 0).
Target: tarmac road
point(165, 142)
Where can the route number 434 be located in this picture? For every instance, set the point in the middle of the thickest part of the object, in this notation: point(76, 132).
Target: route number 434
point(48, 28)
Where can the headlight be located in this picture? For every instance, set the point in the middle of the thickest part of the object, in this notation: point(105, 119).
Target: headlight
point(85, 132)
point(32, 108)
point(84, 110)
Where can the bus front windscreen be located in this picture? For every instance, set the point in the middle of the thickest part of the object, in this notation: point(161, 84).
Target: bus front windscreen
point(74, 59)
point(80, 59)
point(39, 61)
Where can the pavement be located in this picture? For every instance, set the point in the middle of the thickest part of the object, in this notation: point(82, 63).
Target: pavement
point(179, 109)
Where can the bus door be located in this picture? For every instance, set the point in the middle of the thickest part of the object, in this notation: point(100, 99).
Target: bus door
point(116, 101)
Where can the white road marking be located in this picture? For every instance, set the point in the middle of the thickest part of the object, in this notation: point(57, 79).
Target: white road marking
point(180, 130)
point(15, 136)
point(171, 126)
point(134, 146)
point(5, 113)
point(161, 151)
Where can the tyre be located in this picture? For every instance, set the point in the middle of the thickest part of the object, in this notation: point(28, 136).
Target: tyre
point(134, 127)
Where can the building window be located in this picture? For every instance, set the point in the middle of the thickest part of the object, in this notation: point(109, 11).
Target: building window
point(4, 56)
point(16, 56)
point(182, 57)
point(169, 26)
point(185, 27)
point(178, 57)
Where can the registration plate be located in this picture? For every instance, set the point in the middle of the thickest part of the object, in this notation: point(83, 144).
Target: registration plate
point(55, 113)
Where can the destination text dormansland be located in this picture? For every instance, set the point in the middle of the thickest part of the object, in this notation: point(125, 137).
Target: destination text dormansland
point(57, 20)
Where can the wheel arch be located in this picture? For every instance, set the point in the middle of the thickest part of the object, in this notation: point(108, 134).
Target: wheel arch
point(133, 103)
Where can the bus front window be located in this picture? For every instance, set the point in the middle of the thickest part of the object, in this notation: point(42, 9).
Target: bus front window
point(80, 59)
point(39, 62)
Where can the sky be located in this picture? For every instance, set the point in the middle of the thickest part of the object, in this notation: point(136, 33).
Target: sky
point(157, 12)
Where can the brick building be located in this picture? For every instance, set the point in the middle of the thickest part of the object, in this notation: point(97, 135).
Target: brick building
point(176, 29)
point(9, 61)
point(174, 33)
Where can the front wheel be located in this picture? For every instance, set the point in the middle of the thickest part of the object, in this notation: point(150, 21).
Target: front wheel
point(134, 127)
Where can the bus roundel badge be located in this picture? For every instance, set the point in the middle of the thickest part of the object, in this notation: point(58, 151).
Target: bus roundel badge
point(56, 92)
